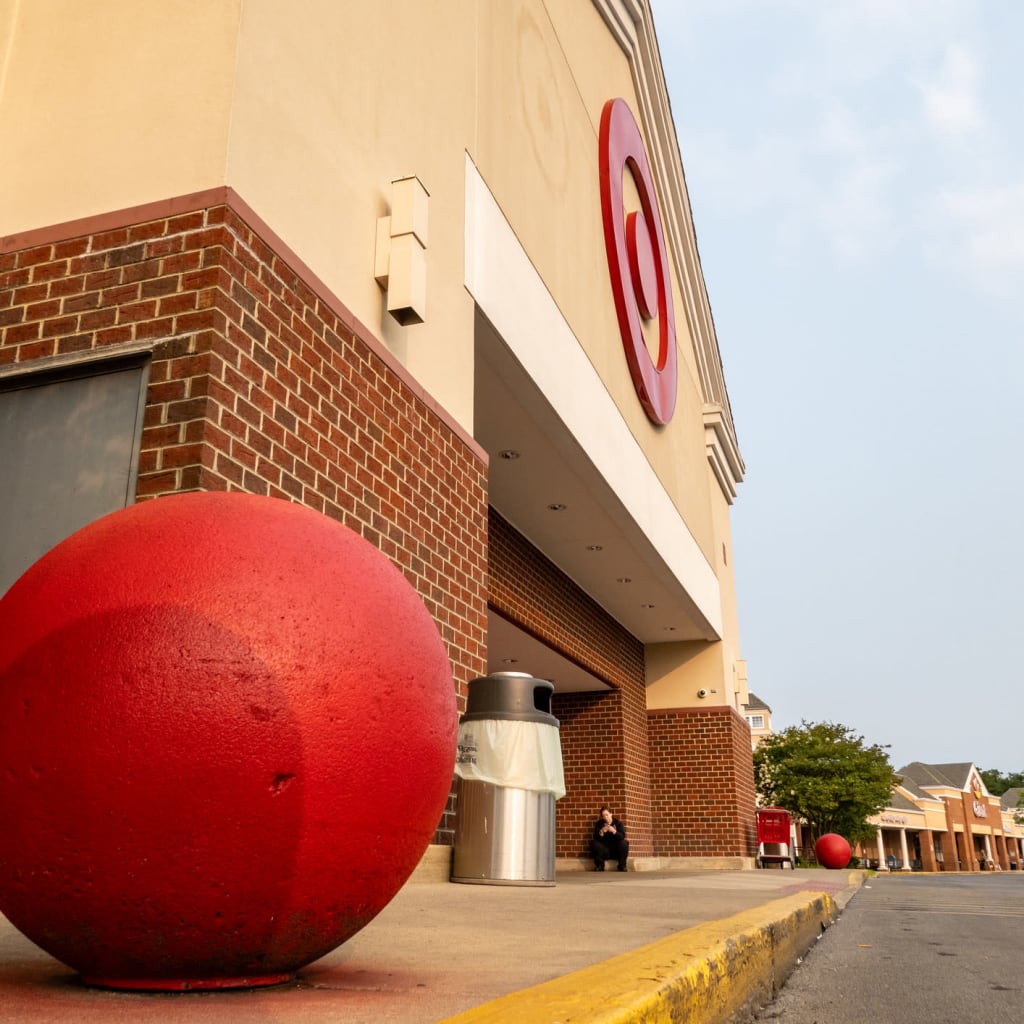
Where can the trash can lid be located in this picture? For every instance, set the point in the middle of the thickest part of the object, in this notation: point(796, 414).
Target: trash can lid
point(510, 696)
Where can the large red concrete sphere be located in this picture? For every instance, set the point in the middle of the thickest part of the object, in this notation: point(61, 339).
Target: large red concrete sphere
point(227, 734)
point(832, 851)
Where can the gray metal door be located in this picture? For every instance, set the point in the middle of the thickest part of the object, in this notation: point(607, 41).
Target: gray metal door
point(69, 445)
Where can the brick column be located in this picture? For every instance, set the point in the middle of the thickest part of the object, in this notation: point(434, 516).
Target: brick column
point(1001, 854)
point(950, 845)
point(702, 783)
point(971, 860)
point(966, 849)
point(947, 840)
point(927, 844)
point(605, 762)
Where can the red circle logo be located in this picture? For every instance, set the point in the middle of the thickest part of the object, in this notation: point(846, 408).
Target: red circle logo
point(637, 262)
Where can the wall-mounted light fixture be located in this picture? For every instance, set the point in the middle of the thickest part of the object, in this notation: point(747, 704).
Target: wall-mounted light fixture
point(400, 259)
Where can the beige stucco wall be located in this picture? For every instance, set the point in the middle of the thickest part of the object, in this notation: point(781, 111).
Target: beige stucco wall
point(309, 110)
point(97, 115)
point(675, 672)
point(334, 101)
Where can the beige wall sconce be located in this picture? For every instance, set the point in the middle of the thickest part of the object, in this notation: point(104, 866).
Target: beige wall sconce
point(400, 260)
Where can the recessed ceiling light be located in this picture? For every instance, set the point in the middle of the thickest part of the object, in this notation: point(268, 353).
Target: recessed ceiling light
point(510, 661)
point(647, 606)
point(670, 629)
point(509, 453)
point(557, 506)
point(623, 579)
point(594, 547)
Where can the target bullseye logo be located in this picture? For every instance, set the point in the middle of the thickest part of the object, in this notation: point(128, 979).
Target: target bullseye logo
point(637, 262)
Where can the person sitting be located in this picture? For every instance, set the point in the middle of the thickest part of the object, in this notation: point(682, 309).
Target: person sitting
point(609, 842)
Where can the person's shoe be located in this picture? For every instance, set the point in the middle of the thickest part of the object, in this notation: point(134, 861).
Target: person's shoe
point(599, 867)
point(622, 867)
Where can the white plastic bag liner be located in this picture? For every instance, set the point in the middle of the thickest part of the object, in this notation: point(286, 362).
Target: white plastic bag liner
point(517, 755)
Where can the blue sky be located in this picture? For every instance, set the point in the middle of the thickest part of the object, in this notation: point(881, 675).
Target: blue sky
point(856, 171)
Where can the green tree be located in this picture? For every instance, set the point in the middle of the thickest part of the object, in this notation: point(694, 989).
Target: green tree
point(998, 783)
point(825, 774)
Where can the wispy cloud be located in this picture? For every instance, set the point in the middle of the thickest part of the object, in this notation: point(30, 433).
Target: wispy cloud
point(864, 131)
point(854, 208)
point(951, 102)
point(986, 229)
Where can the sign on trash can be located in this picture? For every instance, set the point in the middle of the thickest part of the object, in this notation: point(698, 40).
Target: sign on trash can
point(509, 764)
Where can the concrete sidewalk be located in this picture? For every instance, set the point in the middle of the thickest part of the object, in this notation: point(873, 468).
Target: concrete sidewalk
point(594, 947)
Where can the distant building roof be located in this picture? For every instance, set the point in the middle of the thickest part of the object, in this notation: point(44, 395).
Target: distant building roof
point(754, 703)
point(899, 802)
point(953, 776)
point(1009, 800)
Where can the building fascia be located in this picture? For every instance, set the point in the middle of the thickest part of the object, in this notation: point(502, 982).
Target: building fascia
point(1011, 826)
point(899, 817)
point(944, 792)
point(631, 24)
point(723, 453)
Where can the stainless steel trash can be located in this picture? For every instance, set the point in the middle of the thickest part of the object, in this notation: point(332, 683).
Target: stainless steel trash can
point(510, 774)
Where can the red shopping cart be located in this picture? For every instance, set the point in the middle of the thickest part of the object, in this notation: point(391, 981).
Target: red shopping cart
point(774, 837)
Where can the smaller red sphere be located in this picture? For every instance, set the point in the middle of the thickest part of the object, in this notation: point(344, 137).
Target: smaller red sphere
point(832, 851)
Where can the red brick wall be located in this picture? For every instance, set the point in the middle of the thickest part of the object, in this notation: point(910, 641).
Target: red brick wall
point(261, 381)
point(604, 749)
point(702, 783)
point(926, 843)
point(972, 822)
point(527, 588)
point(603, 733)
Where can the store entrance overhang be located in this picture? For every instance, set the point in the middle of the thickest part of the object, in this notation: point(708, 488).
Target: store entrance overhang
point(512, 649)
point(543, 482)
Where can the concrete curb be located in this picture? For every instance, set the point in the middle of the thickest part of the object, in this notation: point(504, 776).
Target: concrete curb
point(712, 973)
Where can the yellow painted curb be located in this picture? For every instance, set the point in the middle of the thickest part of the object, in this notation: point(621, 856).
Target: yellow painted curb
point(704, 974)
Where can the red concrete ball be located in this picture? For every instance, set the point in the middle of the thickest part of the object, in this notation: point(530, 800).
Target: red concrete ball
point(227, 735)
point(832, 851)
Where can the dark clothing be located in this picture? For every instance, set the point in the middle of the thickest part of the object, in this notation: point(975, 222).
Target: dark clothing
point(608, 846)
